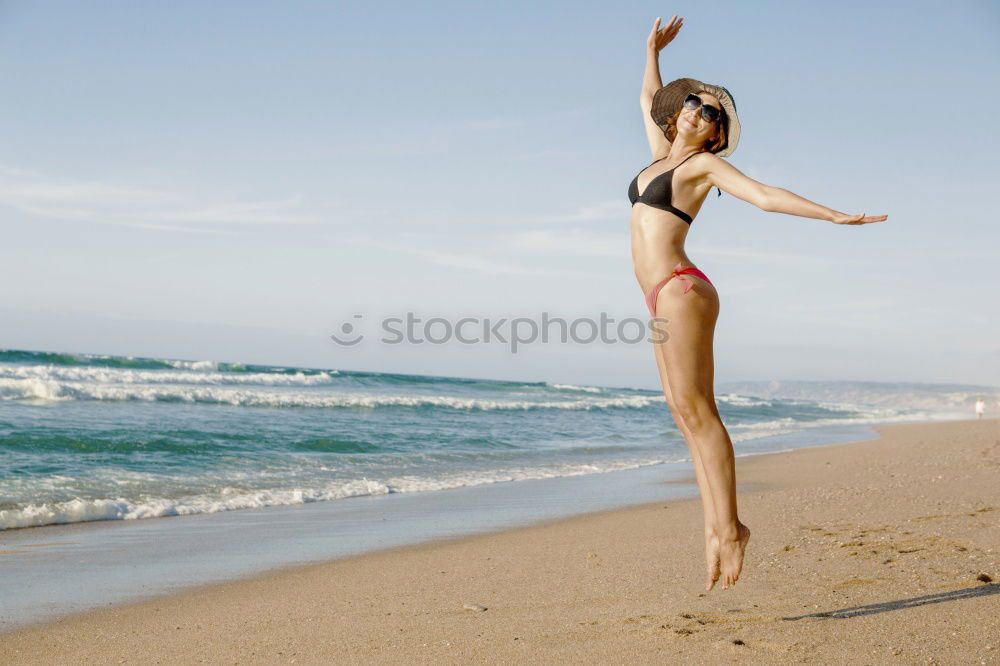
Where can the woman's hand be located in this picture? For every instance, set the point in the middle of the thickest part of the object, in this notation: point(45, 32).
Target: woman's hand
point(660, 38)
point(841, 218)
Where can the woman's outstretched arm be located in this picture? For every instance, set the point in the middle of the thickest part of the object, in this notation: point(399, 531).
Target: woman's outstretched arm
point(782, 201)
point(728, 178)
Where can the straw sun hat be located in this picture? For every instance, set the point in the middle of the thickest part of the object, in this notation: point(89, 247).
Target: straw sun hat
point(670, 98)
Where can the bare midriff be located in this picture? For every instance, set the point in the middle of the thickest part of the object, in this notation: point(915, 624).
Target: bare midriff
point(658, 243)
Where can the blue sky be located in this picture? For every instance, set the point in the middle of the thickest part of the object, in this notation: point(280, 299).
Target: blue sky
point(234, 181)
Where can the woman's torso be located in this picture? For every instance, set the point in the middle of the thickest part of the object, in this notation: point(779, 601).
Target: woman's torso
point(658, 235)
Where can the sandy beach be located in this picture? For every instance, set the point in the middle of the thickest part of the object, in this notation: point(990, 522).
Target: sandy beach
point(883, 551)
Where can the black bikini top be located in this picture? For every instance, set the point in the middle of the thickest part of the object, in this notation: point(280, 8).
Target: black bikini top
point(659, 192)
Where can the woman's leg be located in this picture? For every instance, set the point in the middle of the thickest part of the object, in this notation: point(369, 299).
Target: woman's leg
point(688, 357)
point(711, 538)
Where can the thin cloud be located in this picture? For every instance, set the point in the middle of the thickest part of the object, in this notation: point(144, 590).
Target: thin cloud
point(544, 154)
point(583, 242)
point(599, 211)
point(97, 202)
point(185, 230)
point(465, 260)
point(746, 285)
point(576, 241)
point(798, 259)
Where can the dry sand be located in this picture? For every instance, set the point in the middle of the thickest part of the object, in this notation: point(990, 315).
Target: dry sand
point(862, 553)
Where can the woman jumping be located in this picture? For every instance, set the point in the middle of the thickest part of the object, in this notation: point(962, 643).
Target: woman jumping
point(690, 126)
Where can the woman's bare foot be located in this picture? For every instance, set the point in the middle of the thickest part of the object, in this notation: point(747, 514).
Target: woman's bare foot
point(711, 558)
point(731, 556)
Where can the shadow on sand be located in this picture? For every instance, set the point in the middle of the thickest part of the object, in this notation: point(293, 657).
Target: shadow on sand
point(885, 606)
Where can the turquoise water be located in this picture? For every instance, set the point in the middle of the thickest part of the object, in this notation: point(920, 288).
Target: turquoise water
point(86, 437)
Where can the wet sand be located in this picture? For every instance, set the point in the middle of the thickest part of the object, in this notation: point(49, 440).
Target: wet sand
point(881, 551)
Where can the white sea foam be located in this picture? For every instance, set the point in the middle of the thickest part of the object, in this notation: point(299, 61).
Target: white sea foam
point(740, 400)
point(230, 499)
point(51, 390)
point(573, 387)
point(105, 375)
point(193, 365)
point(866, 396)
point(198, 366)
point(742, 432)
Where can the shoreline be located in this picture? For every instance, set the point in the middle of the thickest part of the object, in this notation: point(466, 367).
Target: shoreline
point(829, 433)
point(595, 568)
point(63, 570)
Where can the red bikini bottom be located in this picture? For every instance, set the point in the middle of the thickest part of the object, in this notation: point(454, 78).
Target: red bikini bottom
point(679, 273)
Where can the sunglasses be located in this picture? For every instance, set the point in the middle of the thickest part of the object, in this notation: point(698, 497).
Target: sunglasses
point(708, 112)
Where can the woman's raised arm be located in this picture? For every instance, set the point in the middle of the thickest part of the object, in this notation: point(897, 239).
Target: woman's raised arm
point(657, 39)
point(651, 81)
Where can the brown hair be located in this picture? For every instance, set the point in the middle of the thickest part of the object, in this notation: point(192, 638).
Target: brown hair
point(711, 145)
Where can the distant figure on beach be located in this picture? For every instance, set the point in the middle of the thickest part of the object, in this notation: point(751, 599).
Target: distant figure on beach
point(980, 408)
point(690, 126)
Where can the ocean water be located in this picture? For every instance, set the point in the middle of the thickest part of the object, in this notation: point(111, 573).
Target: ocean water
point(88, 437)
